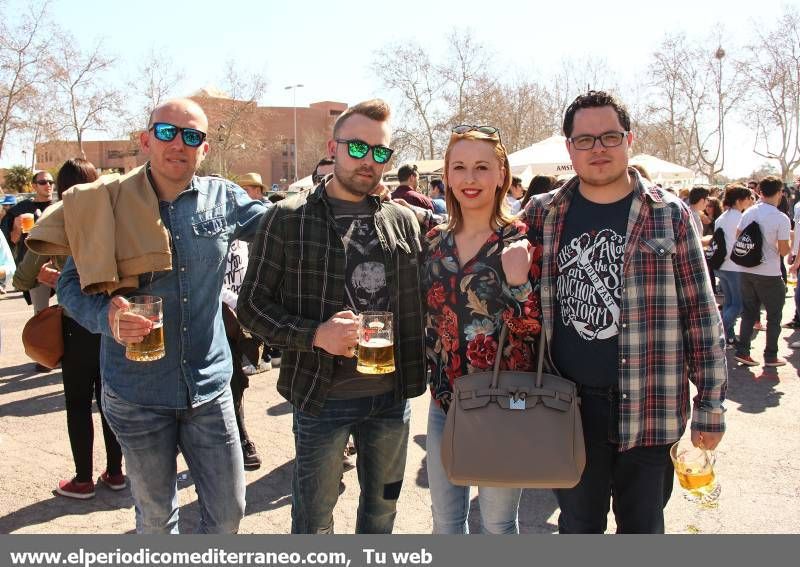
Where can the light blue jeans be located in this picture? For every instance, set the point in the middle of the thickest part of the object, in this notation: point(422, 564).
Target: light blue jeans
point(450, 503)
point(209, 440)
point(380, 427)
point(730, 282)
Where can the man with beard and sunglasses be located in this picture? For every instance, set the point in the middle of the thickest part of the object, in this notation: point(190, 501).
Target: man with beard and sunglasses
point(318, 261)
point(183, 400)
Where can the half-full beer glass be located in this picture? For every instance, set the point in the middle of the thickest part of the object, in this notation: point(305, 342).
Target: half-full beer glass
point(375, 343)
point(152, 346)
point(694, 467)
point(26, 222)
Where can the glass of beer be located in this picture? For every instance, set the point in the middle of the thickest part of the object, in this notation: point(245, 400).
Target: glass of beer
point(152, 346)
point(375, 343)
point(694, 467)
point(26, 222)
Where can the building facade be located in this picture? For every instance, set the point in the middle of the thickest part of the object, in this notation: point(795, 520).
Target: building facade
point(243, 136)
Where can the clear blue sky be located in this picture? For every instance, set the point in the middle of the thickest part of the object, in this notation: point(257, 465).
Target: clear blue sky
point(327, 46)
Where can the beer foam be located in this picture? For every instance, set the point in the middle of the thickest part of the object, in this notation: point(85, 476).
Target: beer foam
point(375, 343)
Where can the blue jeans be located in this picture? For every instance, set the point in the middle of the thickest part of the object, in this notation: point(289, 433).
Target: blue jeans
point(639, 480)
point(209, 440)
point(450, 503)
point(380, 427)
point(731, 288)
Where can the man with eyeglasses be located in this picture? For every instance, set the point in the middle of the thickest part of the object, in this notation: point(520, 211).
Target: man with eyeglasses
point(319, 261)
point(42, 183)
point(630, 317)
point(181, 402)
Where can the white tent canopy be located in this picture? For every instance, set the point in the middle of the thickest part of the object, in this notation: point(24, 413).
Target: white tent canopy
point(664, 172)
point(548, 157)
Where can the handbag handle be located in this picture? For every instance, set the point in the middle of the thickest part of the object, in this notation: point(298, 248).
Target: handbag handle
point(501, 344)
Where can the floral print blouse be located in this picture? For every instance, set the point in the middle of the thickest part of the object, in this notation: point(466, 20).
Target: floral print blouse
point(467, 306)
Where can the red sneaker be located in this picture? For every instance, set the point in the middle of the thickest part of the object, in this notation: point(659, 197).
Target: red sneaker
point(773, 362)
point(745, 359)
point(113, 481)
point(74, 489)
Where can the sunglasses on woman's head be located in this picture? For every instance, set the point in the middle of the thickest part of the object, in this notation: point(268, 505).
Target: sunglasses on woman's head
point(166, 132)
point(488, 130)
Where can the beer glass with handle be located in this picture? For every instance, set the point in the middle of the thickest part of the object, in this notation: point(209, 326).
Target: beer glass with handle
point(375, 343)
point(152, 346)
point(694, 467)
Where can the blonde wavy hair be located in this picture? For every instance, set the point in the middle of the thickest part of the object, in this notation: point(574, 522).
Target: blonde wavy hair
point(501, 215)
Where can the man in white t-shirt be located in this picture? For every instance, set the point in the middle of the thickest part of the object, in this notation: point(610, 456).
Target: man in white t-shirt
point(737, 199)
point(795, 322)
point(763, 284)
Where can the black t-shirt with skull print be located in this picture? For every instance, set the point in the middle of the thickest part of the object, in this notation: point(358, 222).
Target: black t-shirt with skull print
point(365, 290)
point(585, 341)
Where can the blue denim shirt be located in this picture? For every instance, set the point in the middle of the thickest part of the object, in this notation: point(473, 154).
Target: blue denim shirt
point(202, 221)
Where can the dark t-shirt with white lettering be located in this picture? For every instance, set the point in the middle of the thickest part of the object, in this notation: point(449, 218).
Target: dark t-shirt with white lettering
point(365, 290)
point(588, 289)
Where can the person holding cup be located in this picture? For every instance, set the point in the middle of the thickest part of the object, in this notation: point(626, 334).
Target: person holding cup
point(26, 213)
point(175, 395)
point(477, 278)
point(320, 263)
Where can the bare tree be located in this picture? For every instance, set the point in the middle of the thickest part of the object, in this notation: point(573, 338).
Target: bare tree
point(86, 98)
point(23, 51)
point(696, 86)
point(231, 118)
point(408, 71)
point(154, 82)
point(466, 78)
point(772, 70)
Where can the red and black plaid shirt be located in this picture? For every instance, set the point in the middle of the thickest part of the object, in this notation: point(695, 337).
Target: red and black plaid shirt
point(670, 326)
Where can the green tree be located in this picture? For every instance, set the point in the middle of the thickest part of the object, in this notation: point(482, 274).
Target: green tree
point(18, 179)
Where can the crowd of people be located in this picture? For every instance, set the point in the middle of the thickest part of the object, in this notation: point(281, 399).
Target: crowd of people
point(609, 266)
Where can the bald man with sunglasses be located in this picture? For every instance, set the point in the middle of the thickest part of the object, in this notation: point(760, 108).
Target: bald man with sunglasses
point(183, 400)
point(319, 261)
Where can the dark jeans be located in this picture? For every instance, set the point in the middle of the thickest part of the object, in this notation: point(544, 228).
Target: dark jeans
point(380, 429)
point(770, 292)
point(239, 383)
point(639, 480)
point(80, 370)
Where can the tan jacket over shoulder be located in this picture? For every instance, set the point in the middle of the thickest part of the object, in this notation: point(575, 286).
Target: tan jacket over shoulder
point(111, 227)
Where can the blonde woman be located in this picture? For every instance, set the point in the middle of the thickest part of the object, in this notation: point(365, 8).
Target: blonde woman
point(477, 276)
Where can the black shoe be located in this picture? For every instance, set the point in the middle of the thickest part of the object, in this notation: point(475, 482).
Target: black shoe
point(42, 368)
point(793, 324)
point(251, 459)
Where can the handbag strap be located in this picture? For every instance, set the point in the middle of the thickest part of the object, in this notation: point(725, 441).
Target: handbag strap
point(501, 343)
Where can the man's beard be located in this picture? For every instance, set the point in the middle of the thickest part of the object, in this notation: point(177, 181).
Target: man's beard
point(356, 185)
point(597, 181)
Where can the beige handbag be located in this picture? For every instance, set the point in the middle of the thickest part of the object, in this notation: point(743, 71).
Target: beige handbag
point(514, 429)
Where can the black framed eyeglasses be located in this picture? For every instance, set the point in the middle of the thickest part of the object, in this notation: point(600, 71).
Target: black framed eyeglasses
point(45, 182)
point(358, 149)
point(166, 132)
point(607, 140)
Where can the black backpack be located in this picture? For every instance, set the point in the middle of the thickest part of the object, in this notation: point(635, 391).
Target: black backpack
point(747, 248)
point(716, 251)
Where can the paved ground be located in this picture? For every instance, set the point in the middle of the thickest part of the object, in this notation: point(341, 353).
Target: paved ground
point(758, 462)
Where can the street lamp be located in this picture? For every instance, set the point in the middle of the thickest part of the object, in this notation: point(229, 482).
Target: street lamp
point(25, 158)
point(294, 105)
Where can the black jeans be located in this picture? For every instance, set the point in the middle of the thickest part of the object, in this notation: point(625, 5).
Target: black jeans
point(80, 370)
point(639, 480)
point(239, 383)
